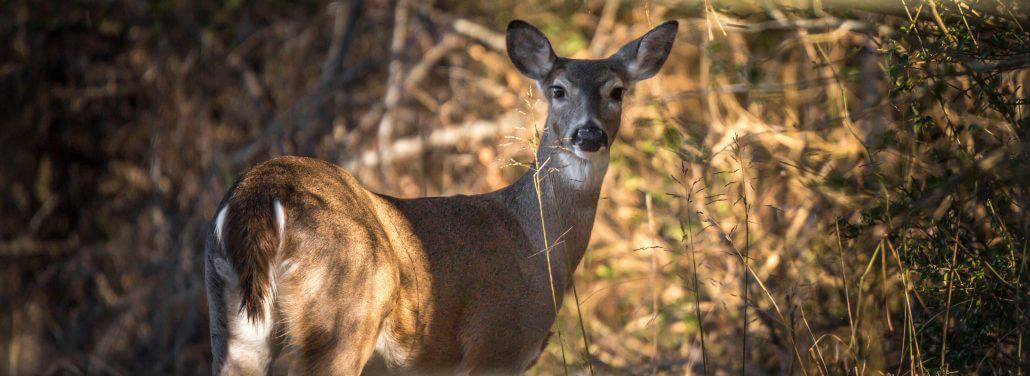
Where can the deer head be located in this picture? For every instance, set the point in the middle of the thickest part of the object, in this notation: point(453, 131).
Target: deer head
point(584, 97)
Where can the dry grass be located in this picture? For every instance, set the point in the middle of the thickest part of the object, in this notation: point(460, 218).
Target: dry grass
point(798, 158)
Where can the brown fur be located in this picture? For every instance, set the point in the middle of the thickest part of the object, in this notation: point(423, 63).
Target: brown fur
point(250, 239)
point(434, 285)
point(437, 295)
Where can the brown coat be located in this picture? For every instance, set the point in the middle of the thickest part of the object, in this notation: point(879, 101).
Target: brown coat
point(304, 259)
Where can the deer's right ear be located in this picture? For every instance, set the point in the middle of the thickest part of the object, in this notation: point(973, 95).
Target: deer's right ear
point(529, 50)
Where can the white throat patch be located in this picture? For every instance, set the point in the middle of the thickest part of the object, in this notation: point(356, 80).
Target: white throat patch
point(583, 170)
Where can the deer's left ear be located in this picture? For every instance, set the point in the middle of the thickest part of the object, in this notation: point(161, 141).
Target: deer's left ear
point(645, 56)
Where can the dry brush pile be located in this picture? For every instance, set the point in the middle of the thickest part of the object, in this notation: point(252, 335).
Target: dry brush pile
point(799, 191)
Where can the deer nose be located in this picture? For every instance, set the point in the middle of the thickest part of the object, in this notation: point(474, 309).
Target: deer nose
point(590, 138)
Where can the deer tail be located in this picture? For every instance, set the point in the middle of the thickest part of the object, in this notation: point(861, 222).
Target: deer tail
point(250, 228)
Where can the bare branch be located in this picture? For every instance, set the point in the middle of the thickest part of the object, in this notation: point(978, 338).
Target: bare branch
point(1018, 10)
point(302, 113)
point(410, 147)
point(466, 28)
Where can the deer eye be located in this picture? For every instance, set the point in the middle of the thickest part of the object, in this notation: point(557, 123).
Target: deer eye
point(557, 92)
point(617, 94)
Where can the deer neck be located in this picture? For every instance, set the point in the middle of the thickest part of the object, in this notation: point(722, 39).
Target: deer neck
point(562, 189)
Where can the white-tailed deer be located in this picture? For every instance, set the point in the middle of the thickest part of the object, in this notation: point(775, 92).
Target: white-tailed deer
point(305, 260)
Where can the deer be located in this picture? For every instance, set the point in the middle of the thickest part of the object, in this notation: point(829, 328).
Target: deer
point(303, 261)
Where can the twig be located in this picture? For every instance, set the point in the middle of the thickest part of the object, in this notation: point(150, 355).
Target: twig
point(296, 114)
point(824, 23)
point(429, 60)
point(480, 33)
point(26, 247)
point(537, 168)
point(842, 8)
point(466, 28)
point(409, 147)
point(947, 306)
point(395, 78)
point(343, 34)
point(654, 281)
point(333, 76)
point(745, 259)
point(939, 21)
point(844, 280)
point(725, 239)
point(688, 234)
point(1013, 63)
point(582, 328)
point(604, 27)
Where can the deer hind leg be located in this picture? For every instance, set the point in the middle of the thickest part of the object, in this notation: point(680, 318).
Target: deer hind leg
point(240, 345)
point(334, 315)
point(331, 352)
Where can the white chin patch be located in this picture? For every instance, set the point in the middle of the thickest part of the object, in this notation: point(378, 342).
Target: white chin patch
point(589, 155)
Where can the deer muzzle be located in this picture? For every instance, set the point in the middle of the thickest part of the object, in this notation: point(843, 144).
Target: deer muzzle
point(589, 138)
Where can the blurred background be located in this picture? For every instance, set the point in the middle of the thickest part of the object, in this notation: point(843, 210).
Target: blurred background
point(827, 187)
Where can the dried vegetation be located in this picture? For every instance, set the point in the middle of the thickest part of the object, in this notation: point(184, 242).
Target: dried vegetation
point(800, 191)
